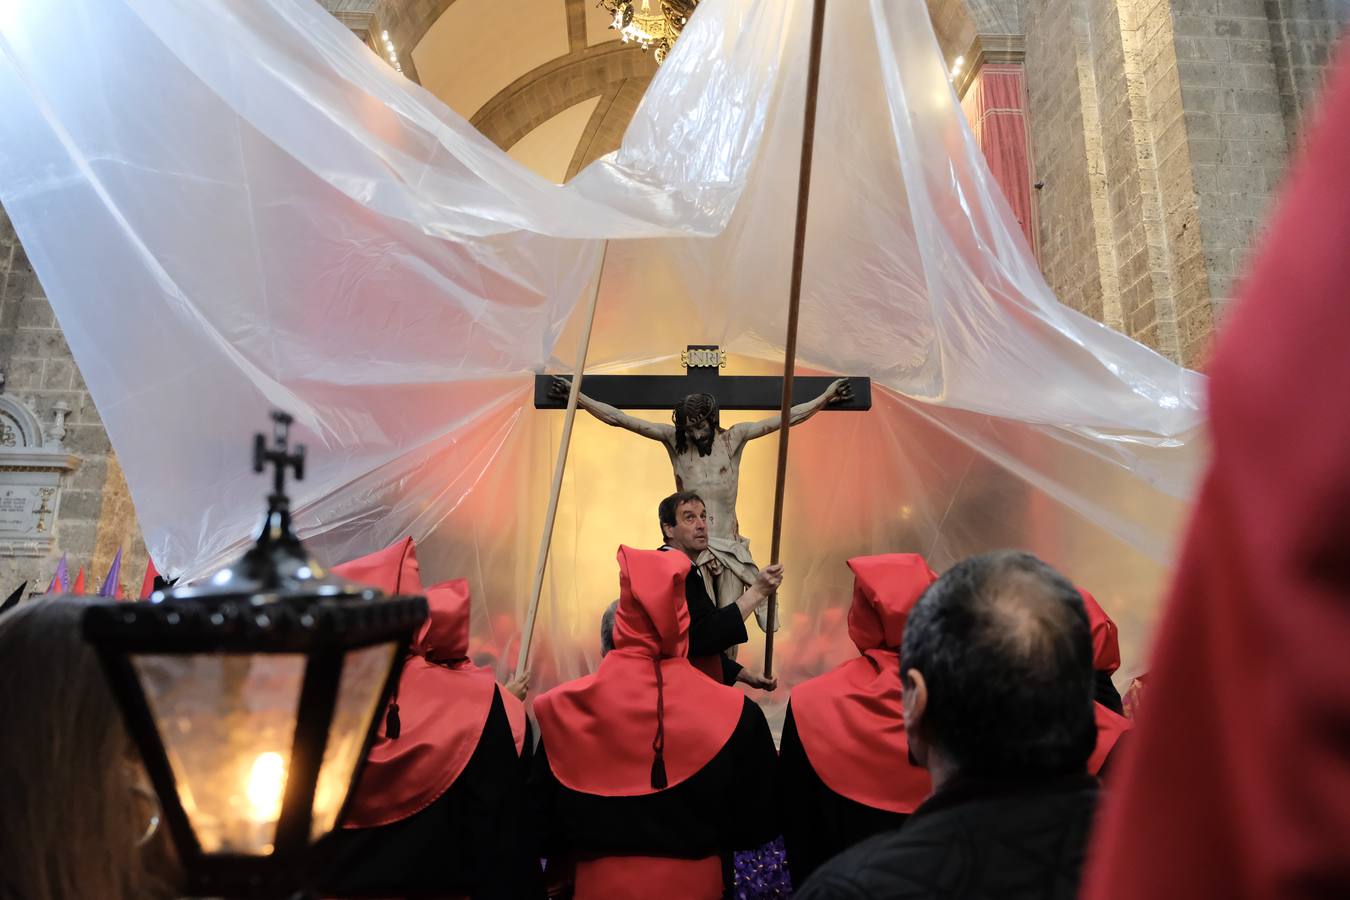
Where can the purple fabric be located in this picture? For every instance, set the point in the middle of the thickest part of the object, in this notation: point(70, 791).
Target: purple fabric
point(61, 580)
point(109, 588)
point(762, 873)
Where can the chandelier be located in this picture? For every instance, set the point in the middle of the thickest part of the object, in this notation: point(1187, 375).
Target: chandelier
point(651, 29)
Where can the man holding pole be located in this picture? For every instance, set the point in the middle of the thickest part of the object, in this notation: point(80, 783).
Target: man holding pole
point(713, 630)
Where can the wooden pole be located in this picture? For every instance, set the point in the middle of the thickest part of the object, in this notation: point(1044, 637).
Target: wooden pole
point(546, 539)
point(794, 305)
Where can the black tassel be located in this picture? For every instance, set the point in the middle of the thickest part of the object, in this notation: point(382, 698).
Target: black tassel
point(392, 726)
point(659, 781)
point(659, 772)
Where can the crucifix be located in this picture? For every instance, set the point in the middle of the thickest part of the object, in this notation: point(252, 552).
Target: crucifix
point(706, 457)
point(703, 375)
point(659, 390)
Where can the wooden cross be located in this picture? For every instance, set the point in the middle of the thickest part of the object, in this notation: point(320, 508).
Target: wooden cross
point(704, 364)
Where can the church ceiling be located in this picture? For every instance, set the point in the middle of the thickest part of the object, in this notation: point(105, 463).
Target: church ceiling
point(548, 80)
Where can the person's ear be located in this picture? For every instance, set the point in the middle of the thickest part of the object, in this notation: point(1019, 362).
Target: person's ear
point(915, 704)
point(915, 692)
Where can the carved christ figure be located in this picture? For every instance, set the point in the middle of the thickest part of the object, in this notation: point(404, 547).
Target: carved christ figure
point(707, 460)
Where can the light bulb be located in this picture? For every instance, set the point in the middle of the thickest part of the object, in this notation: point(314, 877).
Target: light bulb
point(266, 781)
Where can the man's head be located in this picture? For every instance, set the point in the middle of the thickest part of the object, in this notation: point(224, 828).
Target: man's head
point(997, 671)
point(607, 629)
point(684, 522)
point(696, 422)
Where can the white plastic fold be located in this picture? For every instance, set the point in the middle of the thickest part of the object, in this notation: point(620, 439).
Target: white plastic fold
point(236, 206)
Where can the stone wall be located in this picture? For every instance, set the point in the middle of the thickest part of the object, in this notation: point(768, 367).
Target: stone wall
point(1161, 130)
point(1303, 35)
point(96, 516)
point(1075, 241)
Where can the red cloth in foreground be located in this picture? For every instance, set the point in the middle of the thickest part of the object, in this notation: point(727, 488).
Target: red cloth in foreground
point(443, 703)
point(1111, 726)
point(850, 719)
point(1238, 784)
point(602, 731)
point(648, 877)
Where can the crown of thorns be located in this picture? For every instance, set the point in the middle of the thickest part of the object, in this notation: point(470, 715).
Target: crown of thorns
point(694, 409)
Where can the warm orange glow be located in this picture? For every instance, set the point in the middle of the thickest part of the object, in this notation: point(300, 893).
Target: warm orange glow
point(891, 480)
point(266, 781)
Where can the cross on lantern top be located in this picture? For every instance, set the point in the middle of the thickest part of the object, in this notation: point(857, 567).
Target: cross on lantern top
point(280, 456)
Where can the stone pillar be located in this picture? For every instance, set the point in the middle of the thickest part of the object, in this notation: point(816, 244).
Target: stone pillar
point(1161, 130)
point(993, 92)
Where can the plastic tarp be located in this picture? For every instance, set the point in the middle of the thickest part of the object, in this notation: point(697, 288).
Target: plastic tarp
point(236, 206)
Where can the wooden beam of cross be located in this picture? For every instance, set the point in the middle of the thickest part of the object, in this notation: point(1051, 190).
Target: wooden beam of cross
point(704, 364)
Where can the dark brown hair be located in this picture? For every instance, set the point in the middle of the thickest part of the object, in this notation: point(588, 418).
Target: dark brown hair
point(70, 817)
point(665, 512)
point(691, 410)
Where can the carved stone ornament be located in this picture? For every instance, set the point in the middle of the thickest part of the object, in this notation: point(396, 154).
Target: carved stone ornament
point(32, 463)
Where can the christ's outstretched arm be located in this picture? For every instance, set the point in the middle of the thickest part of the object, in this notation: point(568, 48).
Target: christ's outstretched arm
point(613, 416)
point(748, 431)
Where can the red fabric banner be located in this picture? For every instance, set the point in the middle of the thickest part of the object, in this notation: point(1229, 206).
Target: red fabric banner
point(996, 106)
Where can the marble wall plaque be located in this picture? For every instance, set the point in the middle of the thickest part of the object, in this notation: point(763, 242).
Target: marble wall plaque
point(32, 464)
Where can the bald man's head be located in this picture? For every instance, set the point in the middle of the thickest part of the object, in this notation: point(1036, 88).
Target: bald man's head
point(1005, 652)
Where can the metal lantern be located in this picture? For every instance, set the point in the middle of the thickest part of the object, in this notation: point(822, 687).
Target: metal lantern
point(253, 698)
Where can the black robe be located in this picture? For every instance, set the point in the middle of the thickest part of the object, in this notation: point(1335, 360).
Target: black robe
point(687, 821)
point(472, 841)
point(817, 822)
point(1104, 691)
point(973, 839)
point(713, 629)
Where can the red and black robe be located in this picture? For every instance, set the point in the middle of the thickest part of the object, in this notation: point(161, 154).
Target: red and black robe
point(845, 773)
point(439, 807)
point(649, 775)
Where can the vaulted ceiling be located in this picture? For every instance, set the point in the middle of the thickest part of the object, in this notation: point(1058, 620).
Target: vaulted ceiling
point(548, 80)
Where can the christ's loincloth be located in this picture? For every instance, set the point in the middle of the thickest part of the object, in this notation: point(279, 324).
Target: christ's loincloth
point(732, 574)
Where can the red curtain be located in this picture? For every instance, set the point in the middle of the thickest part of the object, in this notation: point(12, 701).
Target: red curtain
point(996, 106)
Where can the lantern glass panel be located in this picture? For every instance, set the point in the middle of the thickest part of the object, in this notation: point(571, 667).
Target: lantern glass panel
point(364, 672)
point(227, 721)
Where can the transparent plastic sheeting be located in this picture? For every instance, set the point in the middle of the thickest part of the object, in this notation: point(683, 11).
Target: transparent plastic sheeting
point(236, 206)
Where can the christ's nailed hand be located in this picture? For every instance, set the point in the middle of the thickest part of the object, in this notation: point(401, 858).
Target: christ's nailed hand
point(769, 579)
point(559, 388)
point(841, 391)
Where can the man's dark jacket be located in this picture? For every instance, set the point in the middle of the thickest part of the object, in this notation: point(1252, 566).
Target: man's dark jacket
point(973, 840)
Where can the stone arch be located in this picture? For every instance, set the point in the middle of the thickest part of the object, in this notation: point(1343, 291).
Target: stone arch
point(20, 428)
point(547, 90)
